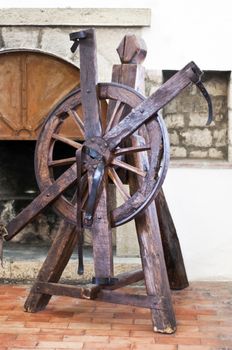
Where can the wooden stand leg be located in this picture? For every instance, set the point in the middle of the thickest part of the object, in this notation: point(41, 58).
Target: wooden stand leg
point(55, 263)
point(152, 256)
point(171, 246)
point(155, 273)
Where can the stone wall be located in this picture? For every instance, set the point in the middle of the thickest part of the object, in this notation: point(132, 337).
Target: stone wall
point(186, 117)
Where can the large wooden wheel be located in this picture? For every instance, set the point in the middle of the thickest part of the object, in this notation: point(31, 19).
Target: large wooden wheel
point(118, 100)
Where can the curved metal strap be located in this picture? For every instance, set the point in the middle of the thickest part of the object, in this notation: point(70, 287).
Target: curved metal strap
point(205, 93)
point(91, 203)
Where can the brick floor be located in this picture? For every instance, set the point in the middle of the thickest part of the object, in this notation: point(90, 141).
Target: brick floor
point(203, 312)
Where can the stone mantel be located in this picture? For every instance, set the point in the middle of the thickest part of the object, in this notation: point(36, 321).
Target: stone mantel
point(52, 17)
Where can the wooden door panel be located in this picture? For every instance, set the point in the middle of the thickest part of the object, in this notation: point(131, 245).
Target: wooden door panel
point(31, 84)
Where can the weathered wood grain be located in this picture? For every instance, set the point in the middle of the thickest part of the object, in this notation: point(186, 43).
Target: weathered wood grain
point(152, 256)
point(88, 76)
point(53, 266)
point(173, 256)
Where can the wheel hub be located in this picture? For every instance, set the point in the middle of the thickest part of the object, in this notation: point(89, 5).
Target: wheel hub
point(96, 149)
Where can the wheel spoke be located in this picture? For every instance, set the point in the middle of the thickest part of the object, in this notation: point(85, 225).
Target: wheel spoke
point(128, 167)
point(77, 120)
point(69, 142)
point(60, 162)
point(121, 151)
point(118, 183)
point(116, 115)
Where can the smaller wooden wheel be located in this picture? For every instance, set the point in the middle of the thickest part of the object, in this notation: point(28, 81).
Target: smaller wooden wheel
point(116, 101)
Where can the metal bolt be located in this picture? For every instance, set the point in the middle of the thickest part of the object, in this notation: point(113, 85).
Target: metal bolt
point(141, 110)
point(88, 91)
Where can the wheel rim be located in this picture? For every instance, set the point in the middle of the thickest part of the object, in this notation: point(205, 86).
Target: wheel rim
point(52, 134)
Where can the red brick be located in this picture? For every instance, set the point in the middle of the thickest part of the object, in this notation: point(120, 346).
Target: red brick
point(153, 347)
point(62, 331)
point(93, 346)
point(89, 326)
point(46, 325)
point(59, 345)
point(40, 337)
point(86, 338)
point(19, 330)
point(4, 337)
point(194, 347)
point(132, 327)
point(23, 344)
point(111, 332)
point(166, 339)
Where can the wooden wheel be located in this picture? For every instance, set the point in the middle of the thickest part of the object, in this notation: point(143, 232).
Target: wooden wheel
point(119, 100)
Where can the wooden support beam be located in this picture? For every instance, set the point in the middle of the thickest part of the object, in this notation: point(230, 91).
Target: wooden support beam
point(53, 266)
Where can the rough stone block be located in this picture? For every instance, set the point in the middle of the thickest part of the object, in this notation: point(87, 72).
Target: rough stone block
point(198, 154)
point(220, 104)
point(215, 153)
point(219, 117)
point(217, 87)
point(56, 41)
point(174, 121)
point(198, 119)
point(154, 76)
point(197, 137)
point(178, 152)
point(14, 37)
point(174, 138)
point(220, 137)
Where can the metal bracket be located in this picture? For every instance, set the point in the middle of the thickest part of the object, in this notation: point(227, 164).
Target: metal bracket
point(76, 37)
point(104, 281)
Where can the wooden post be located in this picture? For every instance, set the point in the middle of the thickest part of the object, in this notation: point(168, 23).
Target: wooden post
point(132, 52)
point(100, 229)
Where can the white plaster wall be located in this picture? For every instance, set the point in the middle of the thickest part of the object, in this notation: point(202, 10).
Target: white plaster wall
point(200, 202)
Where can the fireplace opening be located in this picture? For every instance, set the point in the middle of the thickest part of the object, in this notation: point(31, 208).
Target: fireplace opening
point(18, 187)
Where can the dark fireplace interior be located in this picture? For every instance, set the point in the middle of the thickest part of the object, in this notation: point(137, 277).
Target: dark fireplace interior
point(18, 188)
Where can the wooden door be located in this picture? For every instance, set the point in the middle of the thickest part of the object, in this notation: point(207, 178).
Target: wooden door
point(31, 83)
